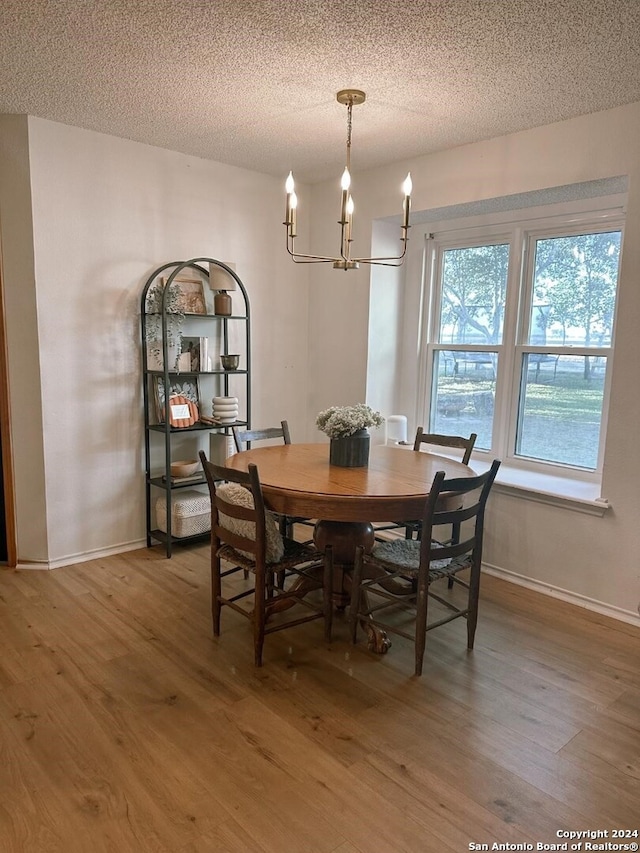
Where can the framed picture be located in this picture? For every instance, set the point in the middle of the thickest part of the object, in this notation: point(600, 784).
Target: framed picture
point(190, 347)
point(190, 295)
point(194, 355)
point(187, 388)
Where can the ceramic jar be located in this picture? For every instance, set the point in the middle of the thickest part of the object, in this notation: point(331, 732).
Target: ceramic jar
point(225, 409)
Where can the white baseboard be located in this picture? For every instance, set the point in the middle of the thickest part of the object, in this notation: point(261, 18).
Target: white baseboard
point(629, 616)
point(72, 559)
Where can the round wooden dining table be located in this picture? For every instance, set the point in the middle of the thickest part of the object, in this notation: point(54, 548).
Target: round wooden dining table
point(297, 480)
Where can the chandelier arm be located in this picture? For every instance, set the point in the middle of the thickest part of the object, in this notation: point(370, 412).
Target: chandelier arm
point(300, 258)
point(310, 259)
point(320, 259)
point(381, 260)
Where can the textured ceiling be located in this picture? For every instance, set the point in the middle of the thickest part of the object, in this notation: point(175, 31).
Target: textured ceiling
point(253, 83)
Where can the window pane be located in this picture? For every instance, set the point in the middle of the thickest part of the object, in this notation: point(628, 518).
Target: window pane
point(474, 284)
point(463, 394)
point(574, 290)
point(561, 408)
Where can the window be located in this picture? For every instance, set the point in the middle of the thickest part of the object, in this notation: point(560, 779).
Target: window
point(520, 336)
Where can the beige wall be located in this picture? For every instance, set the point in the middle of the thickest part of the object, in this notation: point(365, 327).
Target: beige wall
point(105, 213)
point(566, 552)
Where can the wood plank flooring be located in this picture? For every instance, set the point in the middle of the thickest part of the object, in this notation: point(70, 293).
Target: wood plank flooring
point(124, 726)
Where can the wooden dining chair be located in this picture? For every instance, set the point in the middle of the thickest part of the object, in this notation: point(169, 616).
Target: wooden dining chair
point(401, 574)
point(246, 538)
point(243, 438)
point(436, 440)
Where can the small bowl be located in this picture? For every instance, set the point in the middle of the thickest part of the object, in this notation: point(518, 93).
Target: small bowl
point(184, 468)
point(230, 362)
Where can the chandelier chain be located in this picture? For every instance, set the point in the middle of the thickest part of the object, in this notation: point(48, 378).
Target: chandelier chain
point(349, 116)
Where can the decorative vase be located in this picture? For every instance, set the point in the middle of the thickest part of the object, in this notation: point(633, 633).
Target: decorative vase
point(222, 303)
point(225, 409)
point(352, 451)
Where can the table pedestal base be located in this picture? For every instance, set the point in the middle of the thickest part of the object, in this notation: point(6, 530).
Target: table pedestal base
point(344, 537)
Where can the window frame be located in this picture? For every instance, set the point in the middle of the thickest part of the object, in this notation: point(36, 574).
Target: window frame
point(520, 230)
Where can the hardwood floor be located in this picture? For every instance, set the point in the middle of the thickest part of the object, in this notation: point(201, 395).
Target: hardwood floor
point(125, 727)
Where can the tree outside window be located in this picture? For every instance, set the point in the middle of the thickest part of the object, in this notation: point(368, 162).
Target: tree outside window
point(566, 304)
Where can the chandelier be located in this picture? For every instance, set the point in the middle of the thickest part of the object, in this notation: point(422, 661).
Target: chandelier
point(350, 98)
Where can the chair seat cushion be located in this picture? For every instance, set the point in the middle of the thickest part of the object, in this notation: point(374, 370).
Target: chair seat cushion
point(405, 554)
point(235, 494)
point(295, 554)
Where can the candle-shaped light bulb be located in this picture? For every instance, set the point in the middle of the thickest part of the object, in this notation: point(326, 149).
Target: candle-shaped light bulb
point(345, 181)
point(349, 218)
point(288, 185)
point(406, 206)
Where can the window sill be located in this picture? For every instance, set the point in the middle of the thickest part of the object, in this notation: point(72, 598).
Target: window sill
point(564, 492)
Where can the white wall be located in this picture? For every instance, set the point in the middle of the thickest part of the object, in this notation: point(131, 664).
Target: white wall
point(106, 212)
point(593, 558)
point(385, 366)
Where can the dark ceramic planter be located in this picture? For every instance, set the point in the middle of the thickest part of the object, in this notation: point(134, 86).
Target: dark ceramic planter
point(351, 451)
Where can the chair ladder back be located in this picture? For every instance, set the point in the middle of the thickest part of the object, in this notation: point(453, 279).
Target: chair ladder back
point(235, 511)
point(440, 440)
point(215, 474)
point(450, 550)
point(456, 516)
point(246, 436)
point(461, 487)
point(224, 536)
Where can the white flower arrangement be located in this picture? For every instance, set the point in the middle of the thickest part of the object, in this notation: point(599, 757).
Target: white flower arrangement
point(342, 421)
